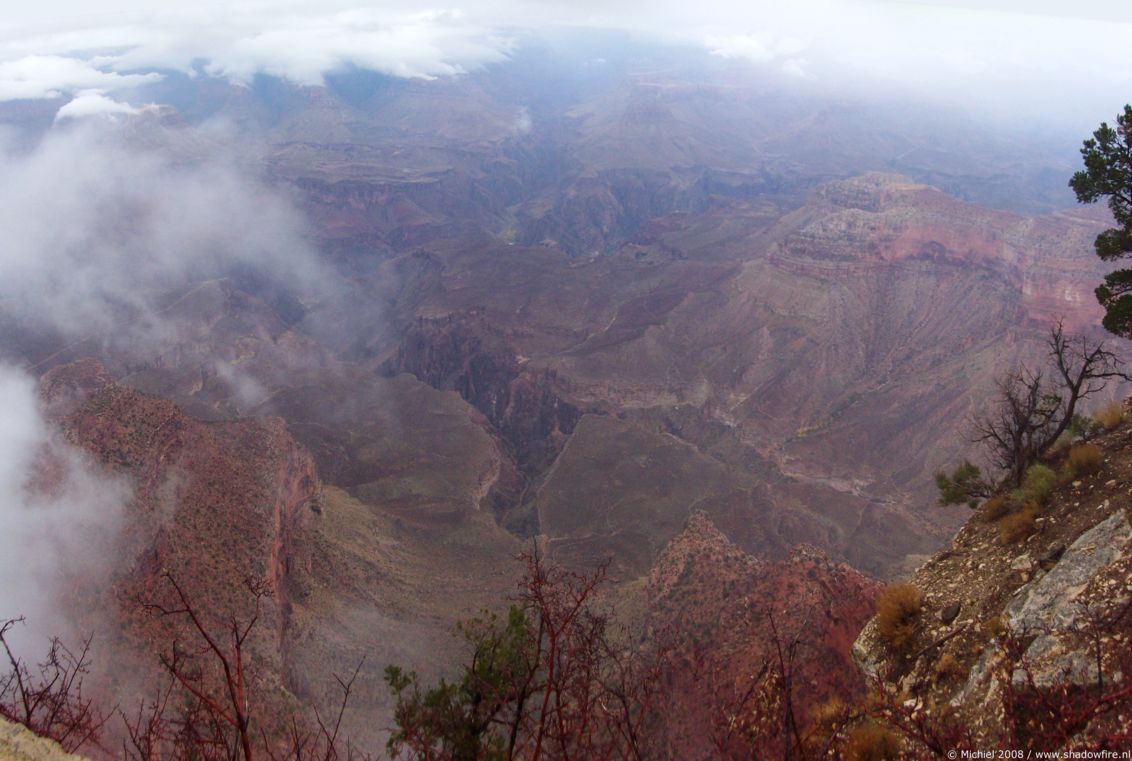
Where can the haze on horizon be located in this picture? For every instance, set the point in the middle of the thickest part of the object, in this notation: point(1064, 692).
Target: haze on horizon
point(1045, 65)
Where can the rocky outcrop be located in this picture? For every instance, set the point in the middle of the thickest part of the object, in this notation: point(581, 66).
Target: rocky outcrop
point(1049, 601)
point(729, 612)
point(601, 213)
point(872, 222)
point(19, 744)
point(1006, 621)
point(213, 504)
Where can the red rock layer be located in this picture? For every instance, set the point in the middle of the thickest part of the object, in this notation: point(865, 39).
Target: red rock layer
point(214, 504)
point(729, 612)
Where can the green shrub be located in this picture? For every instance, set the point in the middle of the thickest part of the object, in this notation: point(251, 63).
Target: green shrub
point(1081, 425)
point(964, 485)
point(1038, 483)
point(897, 608)
point(1083, 460)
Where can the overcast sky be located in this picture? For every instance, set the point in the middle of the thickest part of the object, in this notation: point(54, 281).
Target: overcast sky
point(1061, 61)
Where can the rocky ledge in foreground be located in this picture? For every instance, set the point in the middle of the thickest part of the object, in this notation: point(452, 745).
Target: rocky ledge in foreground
point(20, 744)
point(1024, 638)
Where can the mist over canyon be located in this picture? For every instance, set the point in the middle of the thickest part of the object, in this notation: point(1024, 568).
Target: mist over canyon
point(367, 325)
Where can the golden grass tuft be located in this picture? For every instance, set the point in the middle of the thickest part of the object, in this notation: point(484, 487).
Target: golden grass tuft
point(1016, 526)
point(1083, 460)
point(1110, 416)
point(897, 608)
point(826, 720)
point(996, 507)
point(947, 668)
point(994, 627)
point(871, 742)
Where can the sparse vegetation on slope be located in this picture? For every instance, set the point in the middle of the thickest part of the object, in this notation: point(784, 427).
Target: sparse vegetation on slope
point(1083, 460)
point(1028, 416)
point(1026, 632)
point(1110, 415)
point(1018, 524)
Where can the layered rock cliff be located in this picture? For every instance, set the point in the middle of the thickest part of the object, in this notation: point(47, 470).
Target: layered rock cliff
point(214, 505)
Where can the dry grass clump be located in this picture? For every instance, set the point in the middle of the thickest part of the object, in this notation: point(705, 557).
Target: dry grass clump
point(996, 507)
point(897, 608)
point(826, 720)
point(1083, 460)
point(1016, 526)
point(1110, 416)
point(1037, 485)
point(994, 627)
point(1061, 443)
point(871, 742)
point(947, 668)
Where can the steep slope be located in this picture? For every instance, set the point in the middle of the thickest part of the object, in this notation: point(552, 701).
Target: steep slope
point(212, 504)
point(218, 503)
point(830, 353)
point(1025, 641)
point(730, 612)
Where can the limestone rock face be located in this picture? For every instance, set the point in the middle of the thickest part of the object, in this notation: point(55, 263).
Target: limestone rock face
point(1051, 601)
point(1053, 605)
point(19, 744)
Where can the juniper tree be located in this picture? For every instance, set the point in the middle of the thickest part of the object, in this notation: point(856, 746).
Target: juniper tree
point(1108, 174)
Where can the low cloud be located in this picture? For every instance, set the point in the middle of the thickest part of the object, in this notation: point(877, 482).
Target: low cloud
point(522, 121)
point(246, 391)
point(302, 49)
point(53, 76)
point(301, 46)
point(1018, 60)
point(93, 104)
point(755, 47)
point(59, 516)
point(98, 231)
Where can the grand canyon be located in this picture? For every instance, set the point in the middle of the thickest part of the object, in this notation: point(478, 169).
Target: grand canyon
point(618, 304)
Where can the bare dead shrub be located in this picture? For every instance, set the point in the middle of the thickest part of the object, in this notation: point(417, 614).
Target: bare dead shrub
point(48, 698)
